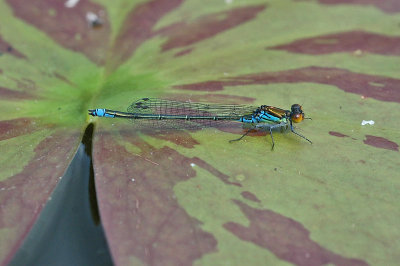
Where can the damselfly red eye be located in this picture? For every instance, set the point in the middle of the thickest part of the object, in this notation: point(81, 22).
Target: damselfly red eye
point(297, 118)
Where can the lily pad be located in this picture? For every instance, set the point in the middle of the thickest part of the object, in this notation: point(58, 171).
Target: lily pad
point(181, 197)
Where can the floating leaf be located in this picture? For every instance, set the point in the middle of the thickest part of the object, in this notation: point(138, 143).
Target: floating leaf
point(184, 197)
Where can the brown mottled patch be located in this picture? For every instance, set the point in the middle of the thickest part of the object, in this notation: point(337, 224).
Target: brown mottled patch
point(6, 48)
point(183, 34)
point(337, 134)
point(223, 177)
point(6, 93)
point(250, 196)
point(388, 6)
point(203, 86)
point(380, 142)
point(377, 87)
point(181, 138)
point(215, 98)
point(285, 237)
point(140, 213)
point(187, 165)
point(68, 26)
point(183, 52)
point(64, 79)
point(240, 130)
point(27, 192)
point(138, 27)
point(17, 127)
point(350, 41)
point(25, 84)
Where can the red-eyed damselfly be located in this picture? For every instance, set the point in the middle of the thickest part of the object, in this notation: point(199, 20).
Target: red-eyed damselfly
point(159, 113)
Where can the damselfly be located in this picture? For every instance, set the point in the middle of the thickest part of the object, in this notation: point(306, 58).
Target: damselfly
point(173, 114)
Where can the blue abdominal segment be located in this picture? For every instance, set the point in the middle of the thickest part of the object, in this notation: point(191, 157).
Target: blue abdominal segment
point(246, 120)
point(102, 113)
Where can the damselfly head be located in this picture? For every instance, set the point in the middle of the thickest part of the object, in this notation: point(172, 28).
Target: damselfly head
point(296, 113)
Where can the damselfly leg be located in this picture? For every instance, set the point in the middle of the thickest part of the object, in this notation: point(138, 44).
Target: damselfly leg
point(270, 127)
point(281, 126)
point(298, 134)
point(247, 132)
point(265, 127)
point(272, 137)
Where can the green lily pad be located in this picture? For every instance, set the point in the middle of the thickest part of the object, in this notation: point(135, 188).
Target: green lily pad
point(181, 197)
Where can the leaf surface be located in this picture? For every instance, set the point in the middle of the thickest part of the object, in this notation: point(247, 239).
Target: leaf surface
point(191, 197)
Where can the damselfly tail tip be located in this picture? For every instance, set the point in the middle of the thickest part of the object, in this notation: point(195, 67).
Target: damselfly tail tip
point(92, 112)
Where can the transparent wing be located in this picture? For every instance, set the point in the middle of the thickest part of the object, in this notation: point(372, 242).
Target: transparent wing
point(167, 107)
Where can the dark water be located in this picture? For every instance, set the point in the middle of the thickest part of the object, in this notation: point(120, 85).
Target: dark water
point(69, 231)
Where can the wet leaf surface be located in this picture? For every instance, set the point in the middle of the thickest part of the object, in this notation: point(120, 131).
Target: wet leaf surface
point(191, 197)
